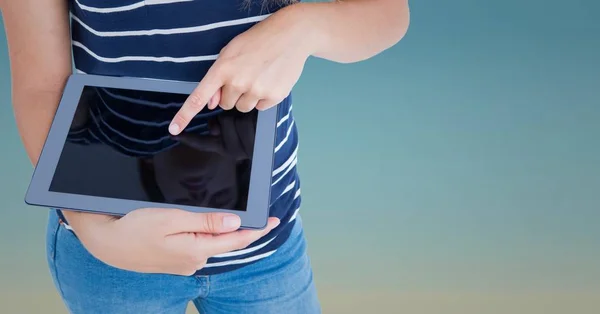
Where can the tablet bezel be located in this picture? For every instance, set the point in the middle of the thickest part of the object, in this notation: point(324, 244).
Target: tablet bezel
point(38, 194)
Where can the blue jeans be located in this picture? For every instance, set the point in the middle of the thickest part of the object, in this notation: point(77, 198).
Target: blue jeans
point(280, 283)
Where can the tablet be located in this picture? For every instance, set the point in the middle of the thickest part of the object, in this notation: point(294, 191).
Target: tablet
point(109, 151)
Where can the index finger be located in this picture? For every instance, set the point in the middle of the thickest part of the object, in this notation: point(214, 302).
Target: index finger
point(197, 100)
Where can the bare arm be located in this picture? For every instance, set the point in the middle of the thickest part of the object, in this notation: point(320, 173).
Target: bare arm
point(39, 47)
point(353, 30)
point(259, 67)
point(40, 61)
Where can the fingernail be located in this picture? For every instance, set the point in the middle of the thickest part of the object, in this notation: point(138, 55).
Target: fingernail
point(174, 129)
point(231, 222)
point(276, 223)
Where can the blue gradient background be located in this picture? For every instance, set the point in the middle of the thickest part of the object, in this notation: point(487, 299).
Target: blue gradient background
point(458, 172)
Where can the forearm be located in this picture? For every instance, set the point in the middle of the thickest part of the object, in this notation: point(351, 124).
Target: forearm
point(39, 48)
point(34, 111)
point(353, 30)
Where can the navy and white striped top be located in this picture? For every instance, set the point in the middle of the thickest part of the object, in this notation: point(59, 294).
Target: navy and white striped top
point(179, 40)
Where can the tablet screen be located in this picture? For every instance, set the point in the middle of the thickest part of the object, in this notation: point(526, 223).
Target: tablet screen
point(119, 146)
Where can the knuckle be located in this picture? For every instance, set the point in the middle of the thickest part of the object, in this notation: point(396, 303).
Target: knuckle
point(195, 102)
point(209, 225)
point(258, 90)
point(222, 65)
point(239, 85)
point(227, 105)
point(262, 105)
point(211, 222)
point(244, 108)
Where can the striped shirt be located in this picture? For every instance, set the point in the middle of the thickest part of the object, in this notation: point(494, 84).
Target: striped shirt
point(179, 40)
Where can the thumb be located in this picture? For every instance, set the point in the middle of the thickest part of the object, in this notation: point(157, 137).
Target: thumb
point(238, 240)
point(211, 223)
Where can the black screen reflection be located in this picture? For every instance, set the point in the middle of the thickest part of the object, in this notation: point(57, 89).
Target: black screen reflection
point(119, 147)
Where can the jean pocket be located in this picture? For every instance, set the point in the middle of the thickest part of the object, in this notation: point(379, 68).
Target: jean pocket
point(51, 233)
point(71, 255)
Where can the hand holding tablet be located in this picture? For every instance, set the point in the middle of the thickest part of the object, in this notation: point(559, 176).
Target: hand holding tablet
point(163, 241)
point(109, 151)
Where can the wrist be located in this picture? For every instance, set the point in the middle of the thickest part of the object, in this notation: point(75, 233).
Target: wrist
point(309, 20)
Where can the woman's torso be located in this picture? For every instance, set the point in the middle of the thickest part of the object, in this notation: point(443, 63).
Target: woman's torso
point(179, 40)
